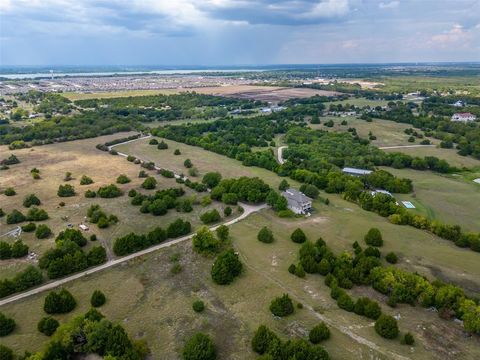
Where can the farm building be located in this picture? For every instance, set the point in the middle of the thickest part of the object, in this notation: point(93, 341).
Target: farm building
point(356, 172)
point(298, 202)
point(463, 117)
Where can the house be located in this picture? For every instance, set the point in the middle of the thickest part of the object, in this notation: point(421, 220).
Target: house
point(384, 192)
point(463, 117)
point(356, 172)
point(459, 103)
point(298, 202)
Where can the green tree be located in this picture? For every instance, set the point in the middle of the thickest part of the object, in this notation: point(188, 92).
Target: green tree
point(66, 190)
point(212, 179)
point(9, 191)
point(222, 232)
point(149, 183)
point(30, 200)
point(374, 237)
point(188, 163)
point(86, 180)
point(284, 185)
point(386, 326)
point(298, 236)
point(263, 340)
point(204, 241)
point(199, 347)
point(408, 339)
point(43, 231)
point(97, 299)
point(15, 217)
point(319, 333)
point(59, 303)
point(123, 179)
point(282, 306)
point(265, 235)
point(48, 325)
point(198, 306)
point(7, 325)
point(391, 258)
point(226, 267)
point(6, 353)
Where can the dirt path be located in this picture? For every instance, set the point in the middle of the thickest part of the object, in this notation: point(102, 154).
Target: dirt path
point(404, 146)
point(280, 154)
point(248, 209)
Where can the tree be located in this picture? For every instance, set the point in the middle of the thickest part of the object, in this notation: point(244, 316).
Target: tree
point(96, 256)
point(178, 228)
point(210, 217)
point(7, 325)
point(188, 163)
point(222, 232)
point(319, 333)
point(74, 235)
point(123, 179)
point(59, 303)
point(408, 339)
point(212, 179)
point(345, 302)
point(43, 231)
point(5, 250)
point(391, 258)
point(374, 237)
point(162, 145)
point(30, 200)
point(48, 325)
point(227, 211)
point(6, 353)
point(68, 176)
point(90, 194)
point(199, 347)
point(86, 180)
point(226, 267)
point(10, 191)
point(263, 340)
point(265, 235)
point(66, 190)
point(298, 236)
point(109, 191)
point(310, 190)
point(177, 152)
point(149, 183)
point(282, 306)
point(284, 185)
point(386, 326)
point(153, 142)
point(372, 310)
point(198, 306)
point(204, 241)
point(97, 299)
point(19, 249)
point(15, 217)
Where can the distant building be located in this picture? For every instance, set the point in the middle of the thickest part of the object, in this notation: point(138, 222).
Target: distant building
point(379, 191)
point(459, 103)
point(298, 202)
point(463, 117)
point(83, 227)
point(356, 172)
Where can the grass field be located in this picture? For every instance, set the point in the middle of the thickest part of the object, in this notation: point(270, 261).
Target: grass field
point(155, 305)
point(360, 102)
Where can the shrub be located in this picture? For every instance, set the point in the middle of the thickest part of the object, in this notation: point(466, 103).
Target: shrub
point(199, 347)
point(212, 179)
point(188, 163)
point(7, 325)
point(43, 231)
point(30, 200)
point(210, 217)
point(48, 325)
point(5, 250)
point(176, 268)
point(19, 249)
point(372, 251)
point(72, 235)
point(226, 267)
point(372, 310)
point(298, 236)
point(59, 303)
point(97, 299)
point(299, 271)
point(222, 232)
point(391, 258)
point(36, 214)
point(85, 180)
point(142, 174)
point(265, 235)
point(230, 198)
point(177, 152)
point(29, 227)
point(178, 228)
point(109, 191)
point(319, 333)
point(66, 190)
point(263, 340)
point(162, 145)
point(345, 302)
point(408, 339)
point(123, 179)
point(292, 268)
point(198, 306)
point(132, 193)
point(68, 176)
point(386, 326)
point(374, 237)
point(6, 353)
point(282, 306)
point(15, 217)
point(310, 190)
point(227, 211)
point(10, 191)
point(2, 213)
point(90, 194)
point(149, 183)
point(284, 185)
point(204, 241)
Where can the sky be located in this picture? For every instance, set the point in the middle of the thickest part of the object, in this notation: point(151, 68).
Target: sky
point(237, 32)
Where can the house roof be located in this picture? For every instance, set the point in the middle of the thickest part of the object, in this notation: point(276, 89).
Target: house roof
point(463, 114)
point(295, 195)
point(356, 171)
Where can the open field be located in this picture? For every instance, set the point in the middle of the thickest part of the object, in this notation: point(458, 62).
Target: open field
point(80, 158)
point(256, 92)
point(411, 83)
point(451, 199)
point(360, 102)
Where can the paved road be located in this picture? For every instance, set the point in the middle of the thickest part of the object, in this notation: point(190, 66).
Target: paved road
point(248, 209)
point(403, 146)
point(279, 154)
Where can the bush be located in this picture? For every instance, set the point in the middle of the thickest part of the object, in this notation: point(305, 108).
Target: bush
point(97, 299)
point(142, 174)
point(66, 190)
point(178, 228)
point(226, 267)
point(36, 214)
point(15, 217)
point(265, 235)
point(19, 249)
point(391, 258)
point(210, 217)
point(227, 211)
point(386, 326)
point(345, 302)
point(372, 251)
point(212, 179)
point(90, 194)
point(298, 236)
point(85, 180)
point(408, 339)
point(29, 227)
point(43, 231)
point(59, 303)
point(7, 325)
point(222, 232)
point(199, 347)
point(162, 145)
point(374, 237)
point(30, 200)
point(282, 306)
point(149, 183)
point(6, 353)
point(299, 271)
point(47, 325)
point(188, 163)
point(177, 152)
point(310, 190)
point(123, 179)
point(372, 310)
point(198, 306)
point(319, 333)
point(109, 191)
point(263, 339)
point(284, 185)
point(10, 191)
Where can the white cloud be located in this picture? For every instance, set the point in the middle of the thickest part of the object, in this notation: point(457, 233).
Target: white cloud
point(389, 5)
point(456, 36)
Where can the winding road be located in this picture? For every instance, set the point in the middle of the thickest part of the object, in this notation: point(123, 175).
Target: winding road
point(280, 154)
